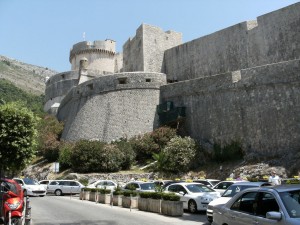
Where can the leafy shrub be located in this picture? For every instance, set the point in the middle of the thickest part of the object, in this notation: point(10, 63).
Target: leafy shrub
point(179, 153)
point(104, 191)
point(65, 152)
point(163, 135)
point(86, 189)
point(170, 197)
point(49, 131)
point(84, 181)
point(130, 193)
point(95, 156)
point(144, 147)
point(128, 153)
point(145, 194)
point(117, 192)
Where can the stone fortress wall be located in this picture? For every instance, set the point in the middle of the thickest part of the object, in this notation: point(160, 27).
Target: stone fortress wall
point(241, 83)
point(111, 107)
point(237, 84)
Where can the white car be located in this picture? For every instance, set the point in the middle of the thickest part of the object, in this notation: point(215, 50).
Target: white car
point(44, 183)
point(223, 185)
point(61, 187)
point(208, 182)
point(140, 186)
point(103, 184)
point(195, 196)
point(31, 187)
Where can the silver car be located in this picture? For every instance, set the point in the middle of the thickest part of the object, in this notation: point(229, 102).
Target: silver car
point(61, 187)
point(269, 205)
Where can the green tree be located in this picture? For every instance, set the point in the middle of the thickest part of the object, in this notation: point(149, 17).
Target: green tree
point(179, 154)
point(50, 130)
point(17, 136)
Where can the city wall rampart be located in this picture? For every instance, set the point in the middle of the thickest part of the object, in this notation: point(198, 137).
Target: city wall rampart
point(58, 86)
point(111, 107)
point(258, 107)
point(274, 37)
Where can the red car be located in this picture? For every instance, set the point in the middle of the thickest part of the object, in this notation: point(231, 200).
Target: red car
point(11, 199)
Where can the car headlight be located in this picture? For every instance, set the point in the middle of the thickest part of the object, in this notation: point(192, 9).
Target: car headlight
point(13, 206)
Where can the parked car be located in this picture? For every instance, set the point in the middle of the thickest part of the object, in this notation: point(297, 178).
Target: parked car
point(231, 191)
point(61, 187)
point(223, 185)
point(103, 184)
point(44, 183)
point(31, 187)
point(195, 196)
point(207, 182)
point(268, 205)
point(140, 186)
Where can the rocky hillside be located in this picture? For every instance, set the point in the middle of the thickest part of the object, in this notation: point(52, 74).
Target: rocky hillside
point(29, 78)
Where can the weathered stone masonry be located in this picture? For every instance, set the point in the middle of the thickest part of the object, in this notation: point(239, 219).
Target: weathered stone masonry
point(237, 84)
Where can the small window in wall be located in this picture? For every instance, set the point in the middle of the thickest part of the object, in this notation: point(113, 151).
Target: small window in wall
point(122, 80)
point(77, 92)
point(63, 76)
point(148, 80)
point(90, 86)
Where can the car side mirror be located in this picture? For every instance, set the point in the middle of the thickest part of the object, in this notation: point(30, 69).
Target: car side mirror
point(273, 215)
point(181, 193)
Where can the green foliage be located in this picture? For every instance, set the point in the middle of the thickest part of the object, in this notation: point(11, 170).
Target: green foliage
point(95, 156)
point(152, 195)
point(170, 197)
point(117, 192)
point(130, 193)
point(179, 154)
point(65, 152)
point(151, 143)
point(18, 135)
point(49, 135)
point(161, 161)
point(10, 93)
point(163, 135)
point(104, 191)
point(229, 152)
point(128, 153)
point(144, 147)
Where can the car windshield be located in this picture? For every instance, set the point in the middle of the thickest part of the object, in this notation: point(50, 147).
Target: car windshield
point(29, 181)
point(148, 186)
point(291, 201)
point(214, 182)
point(234, 189)
point(196, 188)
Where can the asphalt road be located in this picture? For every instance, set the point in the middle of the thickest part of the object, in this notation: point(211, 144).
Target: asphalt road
point(66, 210)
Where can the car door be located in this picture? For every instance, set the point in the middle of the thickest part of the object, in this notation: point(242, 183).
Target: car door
point(178, 190)
point(75, 187)
point(251, 208)
point(65, 187)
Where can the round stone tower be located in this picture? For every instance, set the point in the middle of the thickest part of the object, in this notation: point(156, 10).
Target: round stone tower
point(98, 54)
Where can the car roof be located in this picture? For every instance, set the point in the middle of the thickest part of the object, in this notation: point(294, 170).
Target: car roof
point(283, 188)
point(207, 180)
point(187, 183)
point(248, 183)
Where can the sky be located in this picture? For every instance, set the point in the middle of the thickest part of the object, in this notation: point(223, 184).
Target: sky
point(42, 32)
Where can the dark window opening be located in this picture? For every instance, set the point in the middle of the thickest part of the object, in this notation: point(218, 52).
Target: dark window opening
point(148, 80)
point(122, 80)
point(90, 86)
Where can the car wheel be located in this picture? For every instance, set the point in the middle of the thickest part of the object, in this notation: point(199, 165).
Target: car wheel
point(192, 206)
point(58, 192)
point(42, 195)
point(209, 219)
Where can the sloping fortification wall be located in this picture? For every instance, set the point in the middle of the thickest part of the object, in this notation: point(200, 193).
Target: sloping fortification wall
point(274, 37)
point(58, 86)
point(260, 107)
point(145, 51)
point(111, 107)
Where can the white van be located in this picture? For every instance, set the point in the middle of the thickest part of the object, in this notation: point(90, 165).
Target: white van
point(61, 187)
